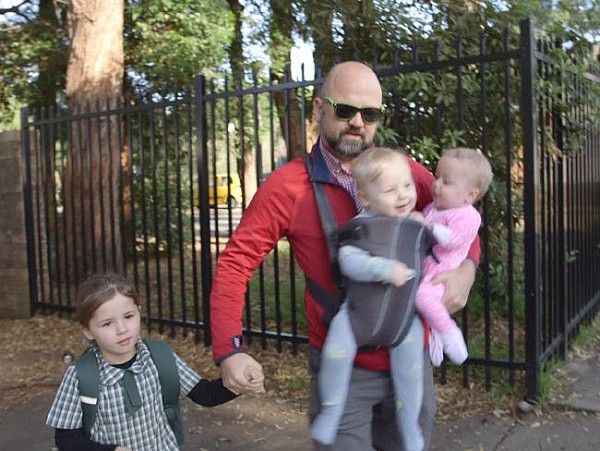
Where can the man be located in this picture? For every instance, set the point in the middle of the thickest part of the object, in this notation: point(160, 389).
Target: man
point(347, 110)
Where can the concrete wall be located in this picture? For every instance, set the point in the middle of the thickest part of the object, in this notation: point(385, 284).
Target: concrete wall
point(14, 278)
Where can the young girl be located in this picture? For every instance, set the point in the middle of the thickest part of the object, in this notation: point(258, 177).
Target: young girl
point(109, 317)
point(462, 177)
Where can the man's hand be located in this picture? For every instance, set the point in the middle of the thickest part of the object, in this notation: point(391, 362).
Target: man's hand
point(401, 274)
point(242, 374)
point(458, 284)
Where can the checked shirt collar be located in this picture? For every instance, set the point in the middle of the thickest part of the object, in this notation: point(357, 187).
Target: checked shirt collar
point(109, 375)
point(343, 177)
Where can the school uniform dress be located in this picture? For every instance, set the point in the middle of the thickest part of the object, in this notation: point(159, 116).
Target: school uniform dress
point(147, 428)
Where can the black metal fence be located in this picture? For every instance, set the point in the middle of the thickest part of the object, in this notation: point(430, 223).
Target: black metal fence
point(155, 188)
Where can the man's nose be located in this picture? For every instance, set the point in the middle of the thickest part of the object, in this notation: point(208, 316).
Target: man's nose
point(357, 120)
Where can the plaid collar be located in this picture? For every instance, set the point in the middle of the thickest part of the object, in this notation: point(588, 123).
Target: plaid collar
point(343, 177)
point(110, 375)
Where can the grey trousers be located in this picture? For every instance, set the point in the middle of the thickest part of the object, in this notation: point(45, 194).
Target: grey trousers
point(369, 420)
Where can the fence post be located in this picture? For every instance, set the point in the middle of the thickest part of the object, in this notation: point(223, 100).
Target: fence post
point(202, 161)
point(531, 205)
point(29, 232)
point(562, 266)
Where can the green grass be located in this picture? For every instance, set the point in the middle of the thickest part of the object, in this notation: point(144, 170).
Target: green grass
point(588, 335)
point(550, 381)
point(552, 375)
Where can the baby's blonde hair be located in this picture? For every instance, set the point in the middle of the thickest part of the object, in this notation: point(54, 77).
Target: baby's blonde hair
point(477, 162)
point(371, 163)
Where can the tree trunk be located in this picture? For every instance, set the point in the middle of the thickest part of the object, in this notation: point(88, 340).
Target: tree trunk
point(52, 60)
point(320, 24)
point(358, 23)
point(288, 107)
point(94, 77)
point(236, 55)
point(246, 164)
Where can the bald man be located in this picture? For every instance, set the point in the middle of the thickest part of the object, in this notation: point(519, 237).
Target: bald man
point(348, 109)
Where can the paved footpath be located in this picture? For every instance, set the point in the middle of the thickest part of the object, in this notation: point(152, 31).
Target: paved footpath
point(266, 423)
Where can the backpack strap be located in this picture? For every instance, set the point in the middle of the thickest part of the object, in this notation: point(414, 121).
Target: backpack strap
point(164, 360)
point(88, 376)
point(162, 355)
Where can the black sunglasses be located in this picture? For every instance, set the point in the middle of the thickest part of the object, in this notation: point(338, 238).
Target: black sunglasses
point(345, 112)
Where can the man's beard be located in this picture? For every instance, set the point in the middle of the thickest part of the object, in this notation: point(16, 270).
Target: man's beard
point(346, 147)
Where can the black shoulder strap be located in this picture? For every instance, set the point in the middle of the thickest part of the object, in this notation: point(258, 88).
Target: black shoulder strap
point(88, 376)
point(328, 222)
point(329, 226)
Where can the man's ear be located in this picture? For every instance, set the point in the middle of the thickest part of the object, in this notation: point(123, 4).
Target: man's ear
point(317, 108)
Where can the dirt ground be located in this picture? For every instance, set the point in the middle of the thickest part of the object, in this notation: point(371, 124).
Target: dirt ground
point(45, 339)
point(31, 367)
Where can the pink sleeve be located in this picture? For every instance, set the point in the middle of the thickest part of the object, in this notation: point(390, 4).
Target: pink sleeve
point(464, 224)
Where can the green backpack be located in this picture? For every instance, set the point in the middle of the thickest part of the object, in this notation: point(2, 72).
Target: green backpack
point(164, 360)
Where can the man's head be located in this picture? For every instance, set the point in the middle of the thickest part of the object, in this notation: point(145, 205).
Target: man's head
point(348, 84)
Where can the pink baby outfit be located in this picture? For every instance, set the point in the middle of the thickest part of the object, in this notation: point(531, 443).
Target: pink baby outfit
point(455, 230)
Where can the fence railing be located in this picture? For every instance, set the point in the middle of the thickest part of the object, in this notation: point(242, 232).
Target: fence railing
point(154, 189)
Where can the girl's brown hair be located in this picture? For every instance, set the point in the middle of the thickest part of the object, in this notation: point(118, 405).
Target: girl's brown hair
point(98, 289)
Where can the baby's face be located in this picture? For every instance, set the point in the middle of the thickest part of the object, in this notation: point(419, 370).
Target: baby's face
point(394, 192)
point(454, 184)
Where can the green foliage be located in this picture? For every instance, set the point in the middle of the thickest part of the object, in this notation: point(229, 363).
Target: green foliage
point(166, 41)
point(386, 137)
point(33, 64)
point(160, 171)
point(173, 41)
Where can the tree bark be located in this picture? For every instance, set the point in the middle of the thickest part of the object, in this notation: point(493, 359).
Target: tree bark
point(320, 25)
point(247, 162)
point(94, 80)
point(288, 106)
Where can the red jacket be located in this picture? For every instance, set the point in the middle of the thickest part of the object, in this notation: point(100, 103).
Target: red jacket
point(285, 206)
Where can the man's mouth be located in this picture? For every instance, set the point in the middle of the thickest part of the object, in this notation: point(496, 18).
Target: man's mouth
point(353, 133)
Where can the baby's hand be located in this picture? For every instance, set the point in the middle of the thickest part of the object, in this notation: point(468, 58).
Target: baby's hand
point(122, 448)
point(417, 216)
point(401, 274)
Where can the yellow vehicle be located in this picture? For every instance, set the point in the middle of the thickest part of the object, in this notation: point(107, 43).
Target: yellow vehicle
point(228, 188)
